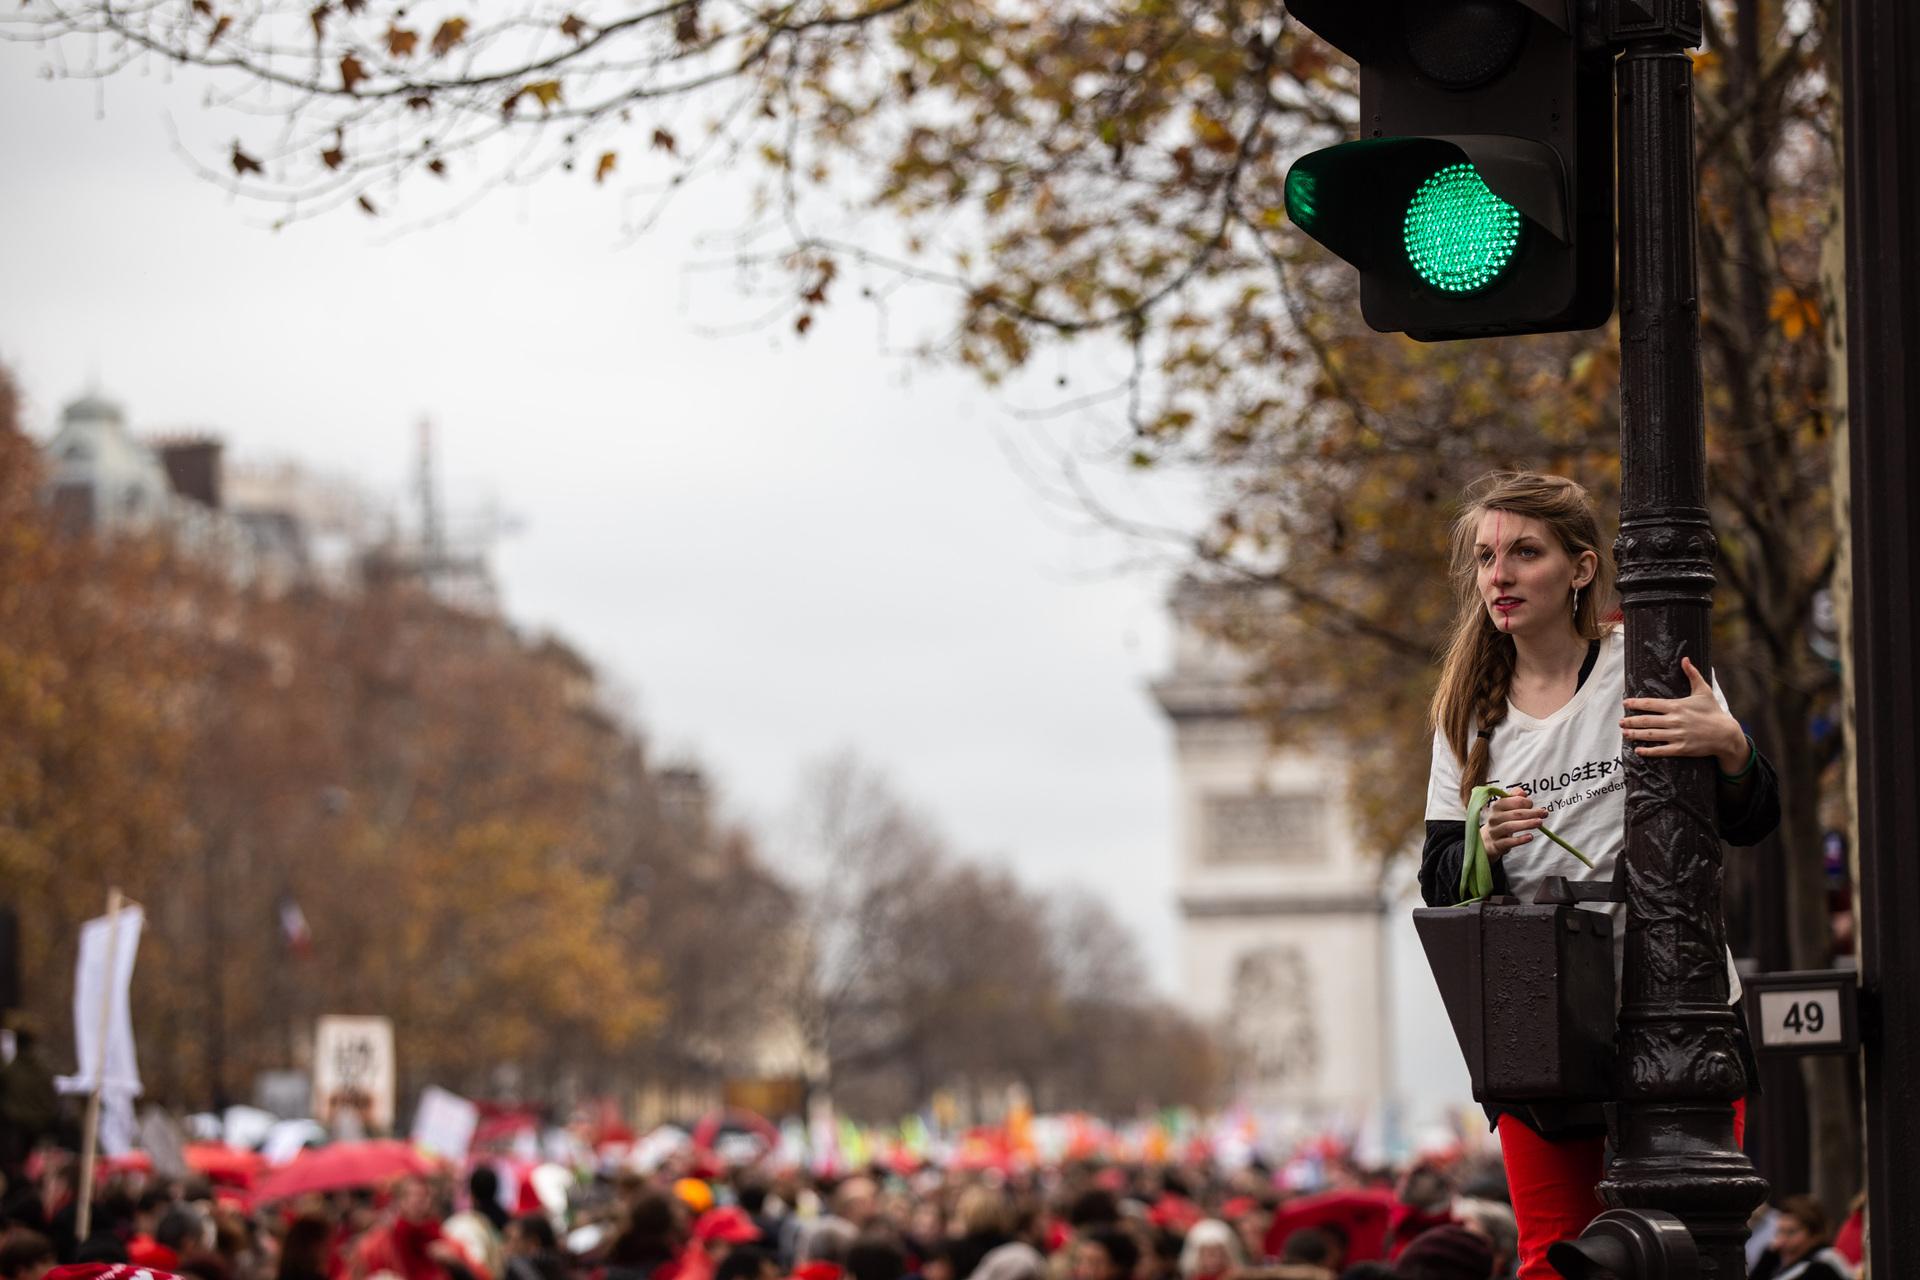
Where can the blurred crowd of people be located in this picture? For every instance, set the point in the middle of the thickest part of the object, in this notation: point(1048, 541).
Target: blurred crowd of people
point(1078, 1221)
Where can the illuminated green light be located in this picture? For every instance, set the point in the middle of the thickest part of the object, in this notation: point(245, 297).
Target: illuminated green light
point(1459, 235)
point(1300, 197)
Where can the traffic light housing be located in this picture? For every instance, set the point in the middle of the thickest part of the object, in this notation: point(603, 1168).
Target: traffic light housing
point(1478, 199)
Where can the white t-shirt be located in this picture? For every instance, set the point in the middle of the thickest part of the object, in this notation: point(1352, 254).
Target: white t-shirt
point(1572, 764)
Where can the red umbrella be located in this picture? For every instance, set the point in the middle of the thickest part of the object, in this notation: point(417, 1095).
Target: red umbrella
point(223, 1165)
point(342, 1166)
point(1360, 1216)
point(127, 1162)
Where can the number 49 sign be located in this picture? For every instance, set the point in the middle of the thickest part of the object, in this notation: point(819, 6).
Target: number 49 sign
point(1808, 1012)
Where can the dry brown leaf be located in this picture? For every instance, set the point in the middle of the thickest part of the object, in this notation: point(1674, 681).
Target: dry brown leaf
point(219, 29)
point(545, 92)
point(686, 23)
point(334, 156)
point(401, 43)
point(419, 102)
point(450, 33)
point(572, 27)
point(605, 167)
point(351, 72)
point(319, 19)
point(665, 142)
point(817, 292)
point(243, 163)
point(437, 167)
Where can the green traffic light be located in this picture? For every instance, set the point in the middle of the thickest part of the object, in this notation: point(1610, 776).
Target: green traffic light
point(1459, 235)
point(1302, 206)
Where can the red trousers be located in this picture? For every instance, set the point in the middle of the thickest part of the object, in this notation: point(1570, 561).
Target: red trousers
point(1552, 1187)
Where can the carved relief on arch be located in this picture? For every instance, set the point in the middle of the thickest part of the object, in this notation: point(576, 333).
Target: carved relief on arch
point(1272, 1021)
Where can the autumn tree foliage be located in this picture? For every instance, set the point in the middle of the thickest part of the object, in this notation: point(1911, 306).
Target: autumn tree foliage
point(426, 785)
point(446, 801)
point(93, 755)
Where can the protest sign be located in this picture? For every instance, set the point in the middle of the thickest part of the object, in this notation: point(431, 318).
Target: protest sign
point(444, 1122)
point(353, 1075)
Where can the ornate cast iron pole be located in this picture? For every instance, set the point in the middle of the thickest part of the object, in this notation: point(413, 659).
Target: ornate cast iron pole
point(1679, 1070)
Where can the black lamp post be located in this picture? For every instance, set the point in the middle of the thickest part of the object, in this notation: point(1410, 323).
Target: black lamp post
point(1679, 1069)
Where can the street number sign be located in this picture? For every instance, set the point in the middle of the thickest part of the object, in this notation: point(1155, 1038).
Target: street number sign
point(1800, 1017)
point(1809, 1012)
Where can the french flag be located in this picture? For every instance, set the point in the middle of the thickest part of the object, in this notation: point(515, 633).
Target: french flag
point(293, 926)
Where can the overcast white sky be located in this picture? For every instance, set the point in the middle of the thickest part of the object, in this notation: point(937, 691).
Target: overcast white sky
point(782, 547)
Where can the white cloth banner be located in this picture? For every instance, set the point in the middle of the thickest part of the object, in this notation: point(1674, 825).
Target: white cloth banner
point(93, 989)
point(119, 1126)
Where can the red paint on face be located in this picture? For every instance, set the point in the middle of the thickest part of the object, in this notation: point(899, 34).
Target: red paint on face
point(1499, 547)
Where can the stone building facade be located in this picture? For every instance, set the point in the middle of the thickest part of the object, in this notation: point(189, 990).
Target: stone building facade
point(1282, 920)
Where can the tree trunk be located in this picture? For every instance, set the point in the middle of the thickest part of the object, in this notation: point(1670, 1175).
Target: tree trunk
point(1839, 1073)
point(1833, 1131)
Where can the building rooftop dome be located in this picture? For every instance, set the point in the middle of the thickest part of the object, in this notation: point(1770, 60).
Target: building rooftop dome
point(94, 407)
point(92, 454)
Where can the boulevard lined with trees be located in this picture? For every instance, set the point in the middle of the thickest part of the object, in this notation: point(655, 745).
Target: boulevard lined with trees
point(482, 847)
point(1107, 178)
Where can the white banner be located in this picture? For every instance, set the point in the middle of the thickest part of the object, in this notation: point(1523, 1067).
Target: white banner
point(94, 989)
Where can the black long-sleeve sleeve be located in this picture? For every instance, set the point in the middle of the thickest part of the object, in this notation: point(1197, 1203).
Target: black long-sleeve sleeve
point(1748, 810)
point(1440, 859)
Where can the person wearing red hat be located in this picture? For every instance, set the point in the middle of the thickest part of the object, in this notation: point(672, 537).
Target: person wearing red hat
point(1423, 1201)
point(719, 1230)
point(143, 1249)
point(1174, 1213)
point(411, 1245)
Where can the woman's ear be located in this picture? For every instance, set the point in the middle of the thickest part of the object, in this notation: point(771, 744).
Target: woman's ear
point(1585, 567)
